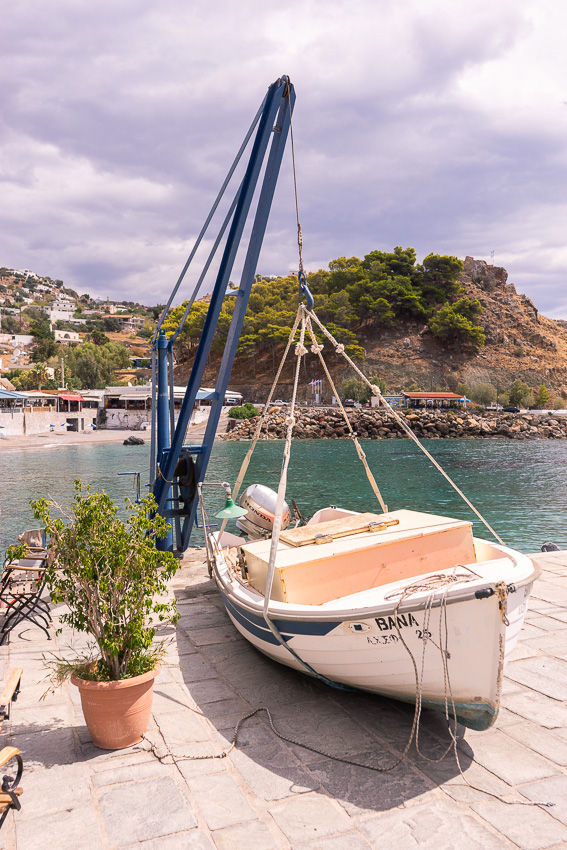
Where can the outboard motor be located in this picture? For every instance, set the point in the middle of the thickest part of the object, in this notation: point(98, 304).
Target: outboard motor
point(260, 504)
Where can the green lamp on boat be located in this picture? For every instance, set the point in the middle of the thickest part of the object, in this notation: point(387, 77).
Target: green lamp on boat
point(230, 510)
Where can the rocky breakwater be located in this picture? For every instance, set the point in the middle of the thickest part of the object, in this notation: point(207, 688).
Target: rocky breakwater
point(376, 424)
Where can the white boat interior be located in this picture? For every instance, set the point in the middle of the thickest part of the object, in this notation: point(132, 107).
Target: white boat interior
point(340, 553)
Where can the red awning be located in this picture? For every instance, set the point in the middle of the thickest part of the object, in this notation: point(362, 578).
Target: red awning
point(72, 397)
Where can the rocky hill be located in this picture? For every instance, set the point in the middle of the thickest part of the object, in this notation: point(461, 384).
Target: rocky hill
point(520, 343)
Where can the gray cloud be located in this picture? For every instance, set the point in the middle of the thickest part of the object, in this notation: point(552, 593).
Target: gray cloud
point(441, 130)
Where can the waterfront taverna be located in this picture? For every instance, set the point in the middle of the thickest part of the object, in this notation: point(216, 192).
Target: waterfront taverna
point(131, 407)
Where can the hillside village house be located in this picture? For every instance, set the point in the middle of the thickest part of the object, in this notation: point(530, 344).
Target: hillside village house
point(130, 323)
point(67, 337)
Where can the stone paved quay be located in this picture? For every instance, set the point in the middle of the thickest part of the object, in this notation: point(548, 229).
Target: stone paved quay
point(269, 795)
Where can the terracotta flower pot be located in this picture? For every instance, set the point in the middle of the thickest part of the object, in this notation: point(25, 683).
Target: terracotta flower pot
point(117, 713)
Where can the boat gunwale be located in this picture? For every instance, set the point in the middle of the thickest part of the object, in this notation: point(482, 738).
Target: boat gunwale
point(253, 601)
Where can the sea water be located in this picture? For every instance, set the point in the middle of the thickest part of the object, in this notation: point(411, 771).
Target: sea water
point(520, 487)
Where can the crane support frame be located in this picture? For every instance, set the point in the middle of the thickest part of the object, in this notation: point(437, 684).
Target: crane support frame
point(180, 468)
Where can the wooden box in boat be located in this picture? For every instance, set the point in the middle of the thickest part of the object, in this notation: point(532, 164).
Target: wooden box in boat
point(310, 573)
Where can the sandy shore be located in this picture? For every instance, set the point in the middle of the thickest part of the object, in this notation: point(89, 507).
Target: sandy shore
point(73, 438)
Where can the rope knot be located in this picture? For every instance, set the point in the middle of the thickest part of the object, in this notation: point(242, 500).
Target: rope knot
point(376, 390)
point(315, 348)
point(340, 349)
point(290, 420)
point(300, 349)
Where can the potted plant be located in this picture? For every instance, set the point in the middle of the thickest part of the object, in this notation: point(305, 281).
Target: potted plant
point(113, 580)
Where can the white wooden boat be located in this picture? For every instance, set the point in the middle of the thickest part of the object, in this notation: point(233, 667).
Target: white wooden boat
point(404, 604)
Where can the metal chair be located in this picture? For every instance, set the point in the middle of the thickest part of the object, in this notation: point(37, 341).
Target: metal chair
point(21, 586)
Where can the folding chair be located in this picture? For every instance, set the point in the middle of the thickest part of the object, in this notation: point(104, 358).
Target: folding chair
point(22, 584)
point(11, 789)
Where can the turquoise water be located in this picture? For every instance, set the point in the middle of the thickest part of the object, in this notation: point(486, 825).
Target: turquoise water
point(519, 487)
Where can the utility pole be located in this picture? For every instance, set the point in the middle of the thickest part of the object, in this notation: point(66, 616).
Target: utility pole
point(62, 374)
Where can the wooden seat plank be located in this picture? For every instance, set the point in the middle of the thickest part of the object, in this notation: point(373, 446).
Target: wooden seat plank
point(10, 687)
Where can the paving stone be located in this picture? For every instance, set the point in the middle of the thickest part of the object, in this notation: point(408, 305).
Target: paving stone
point(183, 727)
point(250, 734)
point(551, 592)
point(220, 800)
point(475, 783)
point(252, 836)
point(170, 696)
point(27, 720)
point(544, 621)
point(558, 614)
point(361, 790)
point(201, 767)
point(529, 631)
point(139, 811)
point(216, 634)
point(48, 748)
point(554, 643)
point(55, 789)
point(98, 760)
point(31, 695)
point(193, 840)
point(510, 760)
point(529, 827)
point(211, 690)
point(548, 676)
point(524, 650)
point(195, 669)
point(541, 709)
point(511, 687)
point(221, 709)
point(540, 740)
point(552, 790)
point(435, 825)
point(305, 818)
point(319, 724)
point(77, 829)
point(346, 841)
point(204, 619)
point(272, 772)
point(130, 773)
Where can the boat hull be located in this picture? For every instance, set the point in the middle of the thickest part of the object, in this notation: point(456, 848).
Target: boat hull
point(447, 648)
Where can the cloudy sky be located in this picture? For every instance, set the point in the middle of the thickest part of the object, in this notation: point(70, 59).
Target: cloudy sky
point(438, 125)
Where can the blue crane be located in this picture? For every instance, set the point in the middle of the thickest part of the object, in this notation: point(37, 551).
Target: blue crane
point(177, 469)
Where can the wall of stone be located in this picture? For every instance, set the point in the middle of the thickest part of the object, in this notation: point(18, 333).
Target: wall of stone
point(328, 423)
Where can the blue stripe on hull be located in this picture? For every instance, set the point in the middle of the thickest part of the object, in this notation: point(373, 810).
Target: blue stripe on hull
point(288, 629)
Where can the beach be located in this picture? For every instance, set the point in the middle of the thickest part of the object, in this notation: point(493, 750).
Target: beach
point(53, 439)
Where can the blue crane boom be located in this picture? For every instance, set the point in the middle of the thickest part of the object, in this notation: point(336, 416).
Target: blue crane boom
point(176, 468)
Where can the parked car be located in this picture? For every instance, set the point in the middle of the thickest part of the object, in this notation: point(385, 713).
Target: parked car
point(349, 402)
point(511, 409)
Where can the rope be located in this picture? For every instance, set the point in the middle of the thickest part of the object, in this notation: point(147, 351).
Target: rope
point(339, 348)
point(299, 233)
point(256, 437)
point(316, 349)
